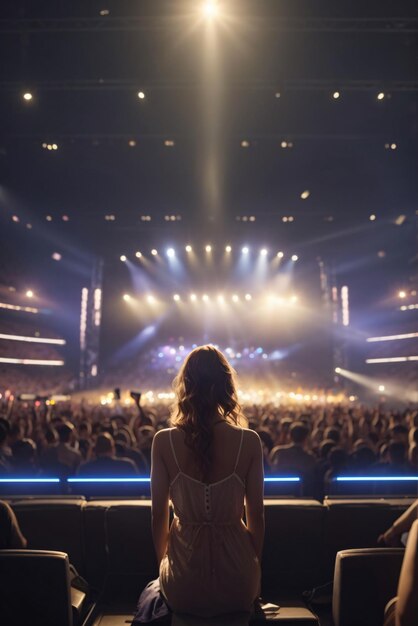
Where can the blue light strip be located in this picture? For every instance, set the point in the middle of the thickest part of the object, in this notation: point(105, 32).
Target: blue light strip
point(29, 480)
point(282, 479)
point(376, 478)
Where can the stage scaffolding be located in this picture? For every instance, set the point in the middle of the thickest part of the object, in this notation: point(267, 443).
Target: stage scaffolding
point(90, 323)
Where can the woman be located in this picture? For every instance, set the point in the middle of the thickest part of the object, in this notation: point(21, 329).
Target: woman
point(209, 560)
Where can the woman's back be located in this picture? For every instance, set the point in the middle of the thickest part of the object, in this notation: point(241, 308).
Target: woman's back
point(211, 566)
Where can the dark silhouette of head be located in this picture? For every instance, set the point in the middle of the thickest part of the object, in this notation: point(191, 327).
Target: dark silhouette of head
point(299, 433)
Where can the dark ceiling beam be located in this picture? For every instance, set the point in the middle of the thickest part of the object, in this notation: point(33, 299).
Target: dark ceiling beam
point(389, 25)
point(282, 86)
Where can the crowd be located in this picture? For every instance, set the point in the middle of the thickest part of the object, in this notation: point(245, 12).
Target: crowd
point(316, 443)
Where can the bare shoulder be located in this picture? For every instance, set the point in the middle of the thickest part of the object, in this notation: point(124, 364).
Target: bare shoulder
point(161, 437)
point(253, 439)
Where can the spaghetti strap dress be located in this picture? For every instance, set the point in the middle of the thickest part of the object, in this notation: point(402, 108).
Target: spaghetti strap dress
point(211, 567)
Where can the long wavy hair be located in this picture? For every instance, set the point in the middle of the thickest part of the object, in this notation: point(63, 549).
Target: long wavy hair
point(205, 390)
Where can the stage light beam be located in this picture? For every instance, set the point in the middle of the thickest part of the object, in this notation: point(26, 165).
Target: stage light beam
point(171, 253)
point(123, 258)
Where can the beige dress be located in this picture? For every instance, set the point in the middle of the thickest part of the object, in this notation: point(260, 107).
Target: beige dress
point(211, 566)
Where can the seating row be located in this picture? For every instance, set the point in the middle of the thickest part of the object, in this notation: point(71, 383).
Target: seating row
point(110, 543)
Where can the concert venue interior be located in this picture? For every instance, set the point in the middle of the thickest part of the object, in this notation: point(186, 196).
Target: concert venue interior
point(234, 173)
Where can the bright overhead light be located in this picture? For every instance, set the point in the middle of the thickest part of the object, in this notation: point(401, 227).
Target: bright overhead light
point(235, 298)
point(221, 298)
point(336, 95)
point(280, 255)
point(176, 297)
point(337, 370)
point(293, 299)
point(393, 146)
point(150, 299)
point(264, 252)
point(208, 248)
point(205, 297)
point(372, 217)
point(402, 294)
point(29, 293)
point(154, 252)
point(56, 256)
point(294, 257)
point(210, 8)
point(123, 258)
point(245, 250)
point(141, 95)
point(188, 248)
point(228, 249)
point(27, 96)
point(305, 194)
point(193, 297)
point(138, 254)
point(126, 297)
point(380, 95)
point(248, 296)
point(381, 388)
point(171, 253)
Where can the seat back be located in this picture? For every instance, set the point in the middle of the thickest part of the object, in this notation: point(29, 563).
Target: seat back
point(364, 581)
point(34, 588)
point(292, 545)
point(53, 524)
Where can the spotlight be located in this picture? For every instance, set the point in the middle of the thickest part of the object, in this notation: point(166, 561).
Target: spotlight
point(283, 144)
point(123, 258)
point(235, 298)
point(208, 248)
point(402, 294)
point(293, 299)
point(171, 253)
point(280, 255)
point(141, 95)
point(29, 293)
point(221, 299)
point(381, 95)
point(154, 252)
point(176, 297)
point(138, 254)
point(210, 9)
point(248, 296)
point(294, 257)
point(336, 95)
point(188, 248)
point(264, 252)
point(393, 146)
point(381, 388)
point(56, 256)
point(245, 250)
point(150, 299)
point(27, 96)
point(337, 370)
point(305, 194)
point(228, 249)
point(132, 143)
point(126, 297)
point(372, 217)
point(193, 297)
point(205, 297)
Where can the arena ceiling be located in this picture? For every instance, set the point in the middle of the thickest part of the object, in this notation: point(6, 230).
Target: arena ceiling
point(239, 118)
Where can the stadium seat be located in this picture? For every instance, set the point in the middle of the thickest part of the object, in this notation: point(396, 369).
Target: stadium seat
point(119, 549)
point(292, 546)
point(357, 523)
point(53, 524)
point(35, 589)
point(364, 581)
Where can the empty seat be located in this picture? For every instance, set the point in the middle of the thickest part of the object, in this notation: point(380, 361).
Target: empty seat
point(364, 581)
point(119, 547)
point(292, 546)
point(357, 523)
point(35, 589)
point(53, 524)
